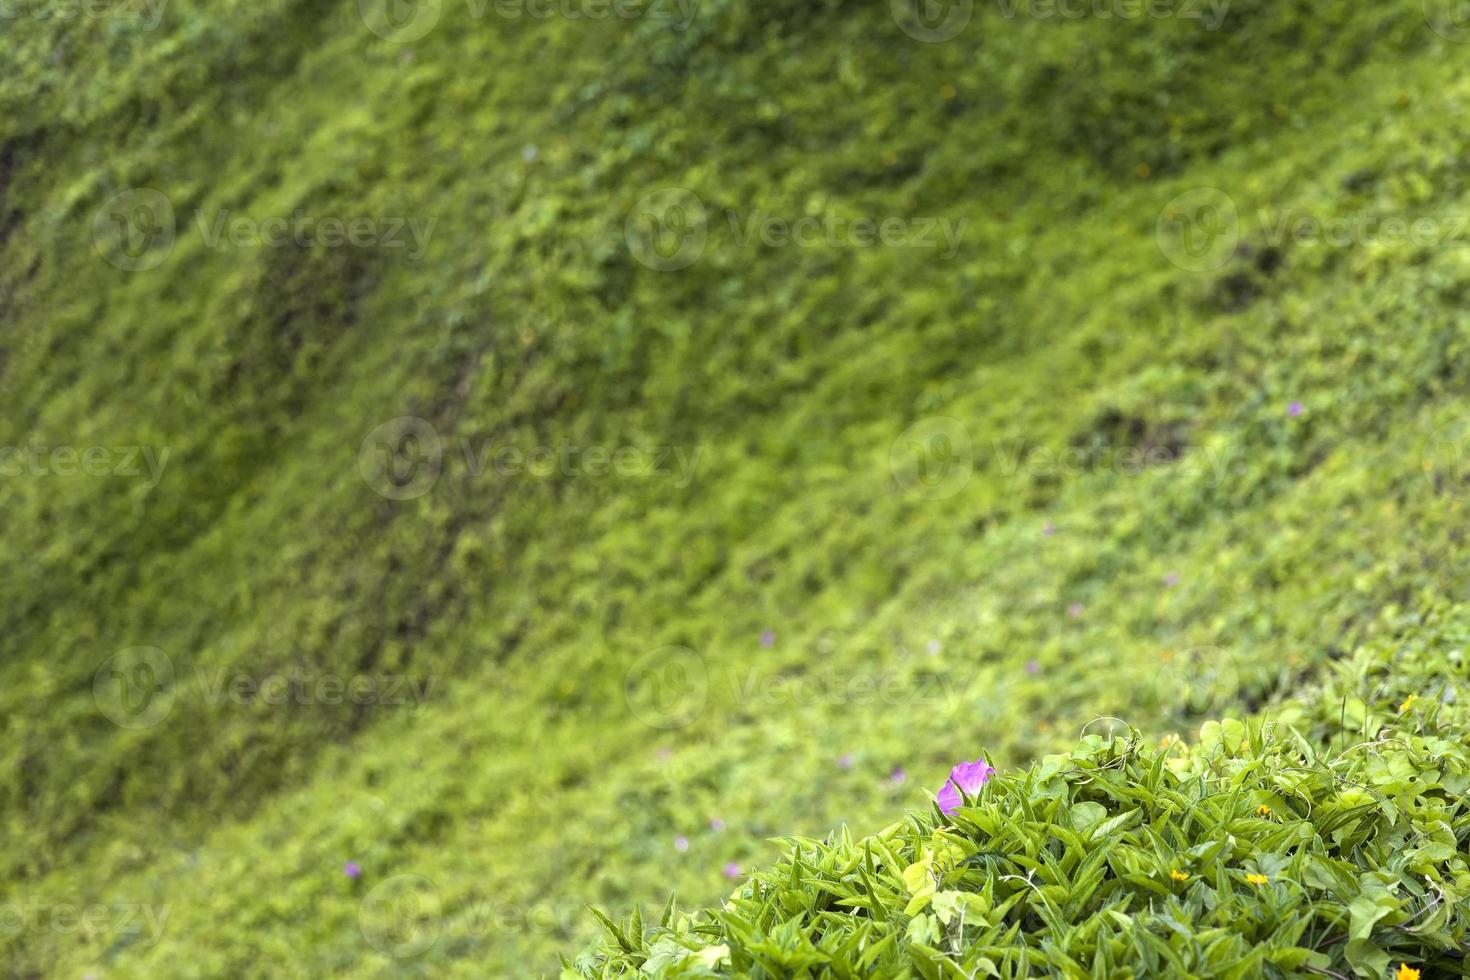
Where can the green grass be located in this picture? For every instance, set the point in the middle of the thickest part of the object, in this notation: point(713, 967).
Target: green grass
point(528, 783)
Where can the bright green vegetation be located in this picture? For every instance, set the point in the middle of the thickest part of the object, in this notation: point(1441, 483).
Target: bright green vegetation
point(1325, 835)
point(530, 609)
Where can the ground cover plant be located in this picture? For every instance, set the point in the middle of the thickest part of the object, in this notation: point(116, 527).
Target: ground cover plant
point(379, 600)
point(1323, 836)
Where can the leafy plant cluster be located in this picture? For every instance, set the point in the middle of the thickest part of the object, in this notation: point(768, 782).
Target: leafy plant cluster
point(1325, 835)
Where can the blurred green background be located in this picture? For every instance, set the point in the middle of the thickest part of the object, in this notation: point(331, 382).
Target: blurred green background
point(539, 452)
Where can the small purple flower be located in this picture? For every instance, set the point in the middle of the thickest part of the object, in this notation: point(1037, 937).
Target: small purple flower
point(351, 870)
point(1171, 579)
point(967, 776)
point(1075, 610)
point(1294, 409)
point(768, 637)
point(732, 870)
point(844, 761)
point(897, 776)
point(681, 843)
point(1048, 529)
point(1033, 666)
point(717, 825)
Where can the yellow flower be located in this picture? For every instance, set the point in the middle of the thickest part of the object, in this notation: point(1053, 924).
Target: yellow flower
point(1405, 972)
point(1256, 879)
point(1408, 703)
point(1179, 875)
point(1263, 810)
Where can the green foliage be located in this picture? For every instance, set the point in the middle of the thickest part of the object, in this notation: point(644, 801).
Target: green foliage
point(1326, 835)
point(528, 783)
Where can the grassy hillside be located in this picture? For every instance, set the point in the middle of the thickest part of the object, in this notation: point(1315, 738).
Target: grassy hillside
point(662, 550)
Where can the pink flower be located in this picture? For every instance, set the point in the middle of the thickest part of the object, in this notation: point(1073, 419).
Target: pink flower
point(1294, 409)
point(844, 761)
point(1048, 529)
point(681, 843)
point(717, 825)
point(967, 776)
point(898, 776)
point(351, 870)
point(1033, 666)
point(732, 870)
point(768, 638)
point(1171, 579)
point(1075, 610)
